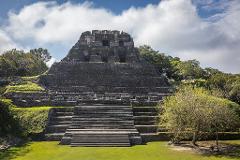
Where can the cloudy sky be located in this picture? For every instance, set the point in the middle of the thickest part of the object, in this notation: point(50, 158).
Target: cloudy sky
point(206, 30)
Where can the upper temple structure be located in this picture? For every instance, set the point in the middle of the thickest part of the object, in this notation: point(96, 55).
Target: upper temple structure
point(105, 65)
point(103, 46)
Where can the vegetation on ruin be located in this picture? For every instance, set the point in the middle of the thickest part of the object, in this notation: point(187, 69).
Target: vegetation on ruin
point(8, 123)
point(196, 111)
point(25, 86)
point(22, 121)
point(32, 120)
point(151, 151)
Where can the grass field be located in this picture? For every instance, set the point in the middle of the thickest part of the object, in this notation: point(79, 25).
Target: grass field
point(151, 151)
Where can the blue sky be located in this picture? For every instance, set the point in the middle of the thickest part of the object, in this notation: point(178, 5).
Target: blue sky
point(116, 6)
point(206, 30)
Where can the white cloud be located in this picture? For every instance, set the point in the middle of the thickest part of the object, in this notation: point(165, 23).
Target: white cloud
point(172, 26)
point(51, 61)
point(5, 42)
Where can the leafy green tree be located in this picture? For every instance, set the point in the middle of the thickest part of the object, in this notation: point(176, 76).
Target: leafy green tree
point(18, 63)
point(43, 54)
point(159, 60)
point(235, 92)
point(194, 110)
point(190, 70)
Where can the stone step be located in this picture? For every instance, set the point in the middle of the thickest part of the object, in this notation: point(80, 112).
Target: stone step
point(106, 123)
point(63, 109)
point(97, 139)
point(61, 118)
point(101, 144)
point(102, 118)
point(60, 122)
point(63, 113)
point(146, 118)
point(103, 109)
point(147, 128)
point(145, 109)
point(102, 106)
point(96, 130)
point(144, 122)
point(145, 113)
point(102, 113)
point(57, 128)
point(102, 126)
point(54, 136)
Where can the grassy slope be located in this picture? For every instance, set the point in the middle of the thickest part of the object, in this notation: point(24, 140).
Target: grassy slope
point(152, 151)
point(24, 87)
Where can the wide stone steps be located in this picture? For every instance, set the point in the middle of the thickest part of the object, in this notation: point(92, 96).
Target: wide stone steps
point(102, 125)
point(118, 144)
point(100, 140)
point(59, 120)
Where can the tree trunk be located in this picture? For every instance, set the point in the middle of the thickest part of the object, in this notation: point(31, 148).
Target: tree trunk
point(217, 144)
point(194, 140)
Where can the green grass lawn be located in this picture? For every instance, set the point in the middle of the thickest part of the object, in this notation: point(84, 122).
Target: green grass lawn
point(151, 151)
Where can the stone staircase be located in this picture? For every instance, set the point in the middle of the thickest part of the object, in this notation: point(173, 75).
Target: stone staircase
point(146, 121)
point(59, 120)
point(102, 125)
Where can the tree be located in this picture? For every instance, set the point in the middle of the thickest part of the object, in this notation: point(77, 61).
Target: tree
point(18, 63)
point(43, 54)
point(235, 92)
point(227, 84)
point(161, 62)
point(190, 70)
point(220, 118)
point(194, 111)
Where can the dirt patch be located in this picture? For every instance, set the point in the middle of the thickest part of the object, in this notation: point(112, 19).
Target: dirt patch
point(209, 148)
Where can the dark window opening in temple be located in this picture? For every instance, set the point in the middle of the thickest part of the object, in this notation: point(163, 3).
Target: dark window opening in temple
point(105, 43)
point(121, 43)
point(86, 58)
point(122, 59)
point(104, 59)
point(97, 54)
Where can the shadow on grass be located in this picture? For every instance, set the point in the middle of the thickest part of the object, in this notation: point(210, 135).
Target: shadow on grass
point(14, 152)
point(225, 150)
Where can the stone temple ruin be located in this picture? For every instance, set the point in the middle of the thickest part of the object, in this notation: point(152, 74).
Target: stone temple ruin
point(101, 82)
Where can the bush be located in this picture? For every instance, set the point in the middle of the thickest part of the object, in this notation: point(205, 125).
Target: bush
point(9, 124)
point(32, 120)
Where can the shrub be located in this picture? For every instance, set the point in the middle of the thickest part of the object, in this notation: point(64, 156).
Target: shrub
point(32, 120)
point(9, 125)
